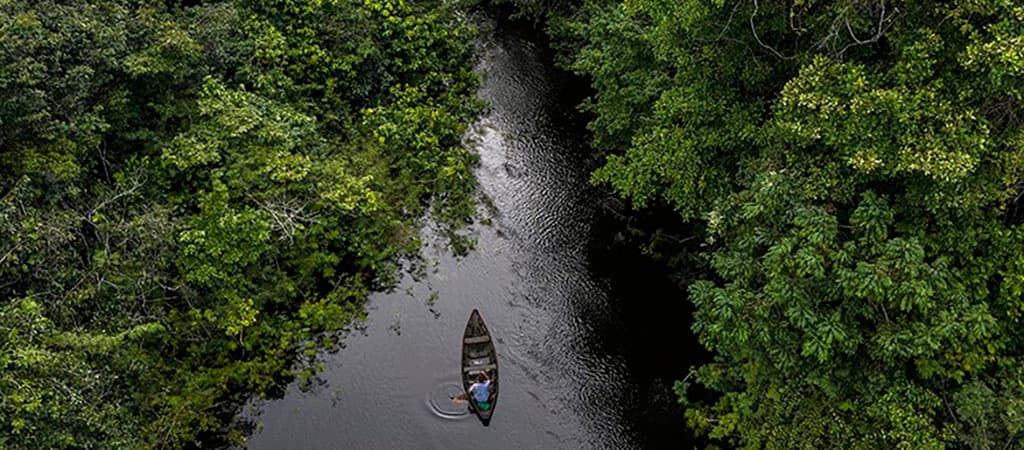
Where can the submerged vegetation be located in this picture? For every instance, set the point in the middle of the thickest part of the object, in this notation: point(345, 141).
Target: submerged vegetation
point(192, 193)
point(854, 169)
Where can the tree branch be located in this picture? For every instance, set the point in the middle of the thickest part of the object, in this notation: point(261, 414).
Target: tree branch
point(883, 26)
point(753, 29)
point(8, 254)
point(728, 22)
point(137, 182)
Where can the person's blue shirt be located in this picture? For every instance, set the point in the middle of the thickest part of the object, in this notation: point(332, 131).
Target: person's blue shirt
point(481, 391)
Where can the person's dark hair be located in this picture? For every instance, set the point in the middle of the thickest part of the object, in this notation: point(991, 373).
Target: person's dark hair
point(480, 377)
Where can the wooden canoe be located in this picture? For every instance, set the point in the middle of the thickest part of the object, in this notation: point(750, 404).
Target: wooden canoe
point(478, 354)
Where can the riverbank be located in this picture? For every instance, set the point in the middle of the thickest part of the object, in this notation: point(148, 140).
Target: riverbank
point(575, 315)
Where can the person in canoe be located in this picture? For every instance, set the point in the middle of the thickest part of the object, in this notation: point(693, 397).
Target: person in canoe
point(481, 392)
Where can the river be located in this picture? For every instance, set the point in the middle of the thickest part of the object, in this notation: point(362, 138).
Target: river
point(589, 335)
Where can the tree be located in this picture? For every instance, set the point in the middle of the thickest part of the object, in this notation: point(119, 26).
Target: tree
point(194, 197)
point(855, 167)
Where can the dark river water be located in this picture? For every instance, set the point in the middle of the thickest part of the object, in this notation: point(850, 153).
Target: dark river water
point(589, 334)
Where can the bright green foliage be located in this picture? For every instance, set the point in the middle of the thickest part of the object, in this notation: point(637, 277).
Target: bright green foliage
point(856, 168)
point(53, 390)
point(191, 195)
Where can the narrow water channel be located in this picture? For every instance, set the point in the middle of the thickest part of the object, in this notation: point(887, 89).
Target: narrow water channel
point(589, 338)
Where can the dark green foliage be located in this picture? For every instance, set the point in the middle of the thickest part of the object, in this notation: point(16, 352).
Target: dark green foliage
point(190, 195)
point(537, 10)
point(857, 167)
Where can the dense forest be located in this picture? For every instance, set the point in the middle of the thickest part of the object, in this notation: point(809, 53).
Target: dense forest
point(197, 196)
point(853, 170)
point(194, 194)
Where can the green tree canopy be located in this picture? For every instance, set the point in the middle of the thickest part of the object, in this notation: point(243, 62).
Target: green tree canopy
point(191, 193)
point(855, 167)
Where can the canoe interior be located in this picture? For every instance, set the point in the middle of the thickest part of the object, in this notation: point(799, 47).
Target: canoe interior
point(478, 354)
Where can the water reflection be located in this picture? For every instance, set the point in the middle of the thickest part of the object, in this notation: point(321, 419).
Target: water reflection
point(565, 352)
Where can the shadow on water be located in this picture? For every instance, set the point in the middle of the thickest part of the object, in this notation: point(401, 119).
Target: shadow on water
point(647, 322)
point(649, 327)
point(590, 333)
